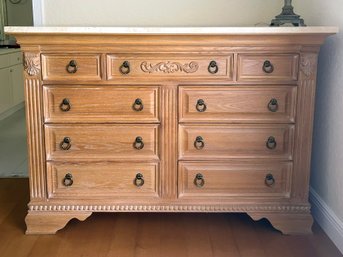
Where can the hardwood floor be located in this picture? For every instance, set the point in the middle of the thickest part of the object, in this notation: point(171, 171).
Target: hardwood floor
point(150, 234)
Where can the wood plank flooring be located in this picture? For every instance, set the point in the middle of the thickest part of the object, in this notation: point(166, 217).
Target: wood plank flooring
point(150, 234)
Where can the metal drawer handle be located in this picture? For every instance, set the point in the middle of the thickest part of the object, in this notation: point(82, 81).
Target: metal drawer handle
point(138, 144)
point(201, 106)
point(125, 68)
point(268, 67)
point(271, 143)
point(269, 180)
point(273, 105)
point(138, 105)
point(139, 180)
point(72, 67)
point(68, 180)
point(199, 180)
point(65, 105)
point(213, 67)
point(66, 143)
point(199, 143)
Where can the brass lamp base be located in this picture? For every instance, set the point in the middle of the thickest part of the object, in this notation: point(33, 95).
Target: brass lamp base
point(288, 16)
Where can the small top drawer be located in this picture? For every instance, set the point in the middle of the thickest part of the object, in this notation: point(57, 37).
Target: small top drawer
point(275, 67)
point(71, 67)
point(171, 67)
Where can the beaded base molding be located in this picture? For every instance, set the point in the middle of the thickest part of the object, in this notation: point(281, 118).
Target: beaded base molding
point(289, 219)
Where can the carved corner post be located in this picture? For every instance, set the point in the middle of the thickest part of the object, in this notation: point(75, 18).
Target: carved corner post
point(298, 220)
point(38, 221)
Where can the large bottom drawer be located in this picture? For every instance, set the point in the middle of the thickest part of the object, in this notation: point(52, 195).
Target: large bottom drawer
point(93, 180)
point(234, 179)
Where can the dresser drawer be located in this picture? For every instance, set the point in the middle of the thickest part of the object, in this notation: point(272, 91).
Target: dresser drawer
point(199, 142)
point(91, 180)
point(234, 179)
point(101, 142)
point(65, 104)
point(147, 67)
point(71, 67)
point(273, 67)
point(270, 104)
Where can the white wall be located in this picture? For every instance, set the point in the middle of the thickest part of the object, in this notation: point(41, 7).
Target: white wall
point(327, 156)
point(159, 12)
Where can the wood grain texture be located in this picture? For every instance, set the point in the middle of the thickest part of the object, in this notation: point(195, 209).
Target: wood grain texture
point(92, 104)
point(54, 67)
point(235, 141)
point(244, 104)
point(284, 67)
point(34, 127)
point(102, 142)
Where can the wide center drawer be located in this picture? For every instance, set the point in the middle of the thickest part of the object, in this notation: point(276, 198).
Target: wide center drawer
point(91, 180)
point(199, 142)
point(101, 142)
point(82, 104)
point(148, 67)
point(260, 104)
point(234, 179)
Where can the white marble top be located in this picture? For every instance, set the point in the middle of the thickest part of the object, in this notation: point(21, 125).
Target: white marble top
point(173, 30)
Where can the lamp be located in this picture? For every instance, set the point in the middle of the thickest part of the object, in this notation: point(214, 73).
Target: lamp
point(287, 16)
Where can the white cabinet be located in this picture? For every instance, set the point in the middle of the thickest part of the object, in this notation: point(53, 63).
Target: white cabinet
point(11, 81)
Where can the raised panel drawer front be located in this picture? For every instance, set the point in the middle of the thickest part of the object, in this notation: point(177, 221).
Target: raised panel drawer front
point(274, 67)
point(82, 104)
point(146, 67)
point(232, 179)
point(270, 104)
point(92, 180)
point(71, 67)
point(205, 142)
point(101, 142)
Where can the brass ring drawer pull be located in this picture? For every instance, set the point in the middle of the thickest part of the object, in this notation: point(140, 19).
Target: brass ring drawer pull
point(199, 180)
point(201, 106)
point(66, 143)
point(213, 67)
point(72, 67)
point(273, 105)
point(138, 105)
point(268, 67)
point(68, 180)
point(125, 68)
point(138, 144)
point(269, 180)
point(271, 143)
point(139, 180)
point(65, 105)
point(199, 143)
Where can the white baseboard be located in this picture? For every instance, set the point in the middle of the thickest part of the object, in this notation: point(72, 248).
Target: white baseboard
point(327, 219)
point(10, 111)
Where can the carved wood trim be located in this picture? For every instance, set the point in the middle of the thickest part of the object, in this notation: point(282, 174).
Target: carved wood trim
point(32, 64)
point(169, 67)
point(35, 137)
point(304, 126)
point(173, 208)
point(169, 142)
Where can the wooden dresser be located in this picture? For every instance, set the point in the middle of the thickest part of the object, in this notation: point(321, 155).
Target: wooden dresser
point(170, 120)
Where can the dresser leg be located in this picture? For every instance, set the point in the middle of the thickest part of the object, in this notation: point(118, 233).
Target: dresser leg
point(287, 223)
point(45, 222)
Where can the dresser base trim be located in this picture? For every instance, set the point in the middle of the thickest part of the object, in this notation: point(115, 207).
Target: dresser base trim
point(51, 222)
point(287, 223)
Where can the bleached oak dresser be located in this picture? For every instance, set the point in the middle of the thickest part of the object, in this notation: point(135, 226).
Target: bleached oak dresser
point(170, 120)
